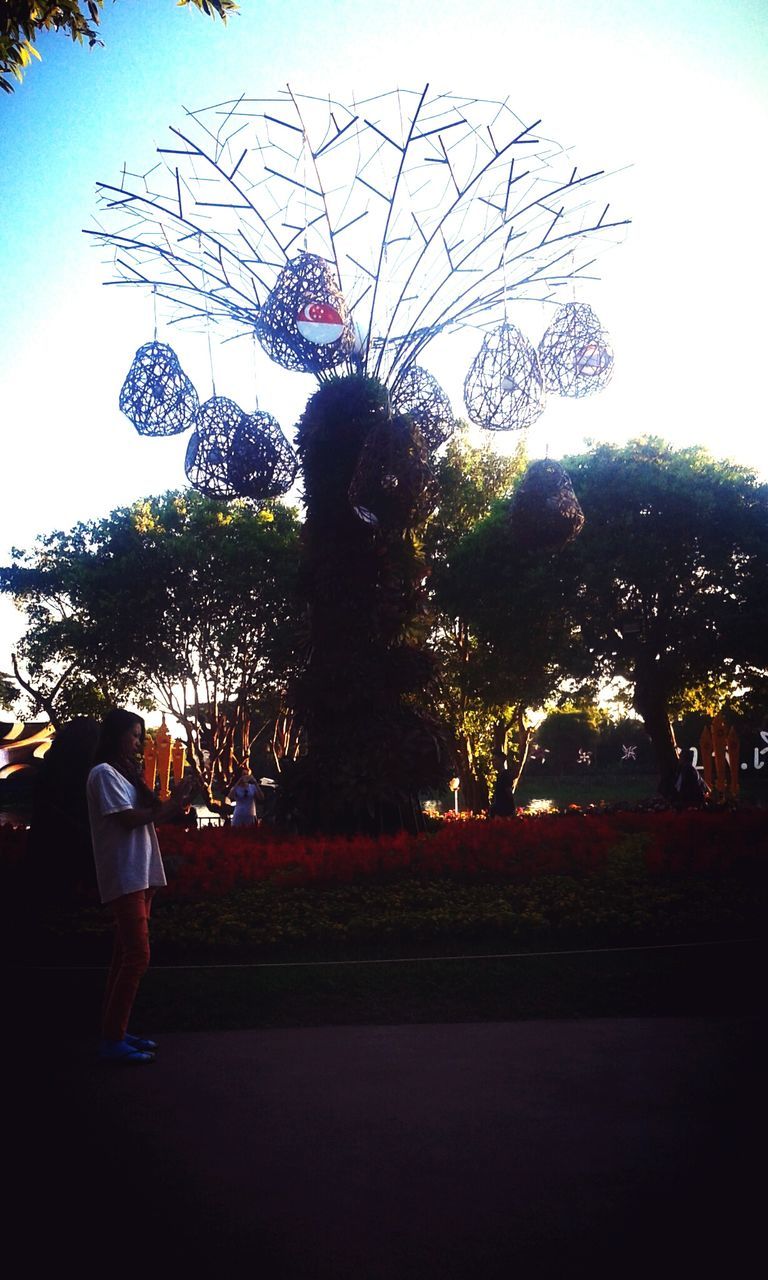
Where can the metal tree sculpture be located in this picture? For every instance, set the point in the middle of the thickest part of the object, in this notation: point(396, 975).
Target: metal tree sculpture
point(348, 237)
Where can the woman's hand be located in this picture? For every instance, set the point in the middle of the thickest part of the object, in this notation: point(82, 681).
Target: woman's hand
point(177, 801)
point(165, 812)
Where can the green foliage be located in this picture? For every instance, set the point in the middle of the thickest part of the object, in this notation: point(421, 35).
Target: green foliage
point(517, 603)
point(470, 480)
point(8, 692)
point(179, 602)
point(666, 588)
point(511, 642)
point(672, 573)
point(21, 21)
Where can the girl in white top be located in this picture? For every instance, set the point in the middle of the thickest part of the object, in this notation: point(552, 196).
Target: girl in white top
point(246, 794)
point(122, 812)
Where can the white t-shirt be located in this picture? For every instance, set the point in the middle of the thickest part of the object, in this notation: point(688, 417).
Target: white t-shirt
point(126, 861)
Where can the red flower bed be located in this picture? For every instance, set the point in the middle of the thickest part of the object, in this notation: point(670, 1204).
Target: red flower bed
point(214, 860)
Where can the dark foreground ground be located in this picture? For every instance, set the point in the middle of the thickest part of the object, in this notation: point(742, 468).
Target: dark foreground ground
point(621, 1147)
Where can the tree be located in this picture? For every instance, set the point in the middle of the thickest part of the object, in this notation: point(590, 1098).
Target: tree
point(23, 20)
point(514, 603)
point(469, 481)
point(178, 602)
point(672, 571)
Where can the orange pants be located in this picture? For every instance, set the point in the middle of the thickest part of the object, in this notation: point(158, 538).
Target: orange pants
point(130, 961)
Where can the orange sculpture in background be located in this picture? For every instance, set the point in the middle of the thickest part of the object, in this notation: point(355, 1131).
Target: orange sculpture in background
point(163, 745)
point(150, 762)
point(720, 751)
point(719, 740)
point(178, 760)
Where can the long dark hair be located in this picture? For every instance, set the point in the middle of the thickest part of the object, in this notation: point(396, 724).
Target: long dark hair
point(108, 751)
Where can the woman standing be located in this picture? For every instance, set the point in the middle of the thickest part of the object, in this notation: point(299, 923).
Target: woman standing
point(246, 794)
point(122, 812)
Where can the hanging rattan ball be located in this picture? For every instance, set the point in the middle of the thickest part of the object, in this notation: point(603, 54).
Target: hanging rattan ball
point(392, 481)
point(575, 353)
point(305, 324)
point(157, 395)
point(504, 389)
point(232, 454)
point(544, 513)
point(207, 459)
point(262, 464)
point(420, 395)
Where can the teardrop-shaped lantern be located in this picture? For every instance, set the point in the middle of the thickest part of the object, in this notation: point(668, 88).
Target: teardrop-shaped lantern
point(575, 353)
point(305, 324)
point(232, 454)
point(544, 513)
point(157, 395)
point(207, 459)
point(504, 389)
point(262, 464)
point(392, 480)
point(420, 396)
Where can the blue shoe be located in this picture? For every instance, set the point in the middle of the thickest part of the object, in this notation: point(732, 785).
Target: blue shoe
point(143, 1046)
point(120, 1051)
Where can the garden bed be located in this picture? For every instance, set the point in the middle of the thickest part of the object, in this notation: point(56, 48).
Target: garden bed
point(547, 882)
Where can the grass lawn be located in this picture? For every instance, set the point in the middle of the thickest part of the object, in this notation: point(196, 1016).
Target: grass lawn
point(587, 788)
point(719, 979)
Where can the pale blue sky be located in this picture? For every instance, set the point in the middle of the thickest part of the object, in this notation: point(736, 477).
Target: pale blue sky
point(672, 92)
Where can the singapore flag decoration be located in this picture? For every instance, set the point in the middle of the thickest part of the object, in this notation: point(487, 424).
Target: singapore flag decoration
point(320, 323)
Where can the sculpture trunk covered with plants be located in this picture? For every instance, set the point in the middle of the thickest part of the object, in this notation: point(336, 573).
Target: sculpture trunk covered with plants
point(370, 745)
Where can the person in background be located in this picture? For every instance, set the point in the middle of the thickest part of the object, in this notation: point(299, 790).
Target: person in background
point(690, 788)
point(246, 794)
point(129, 869)
point(503, 804)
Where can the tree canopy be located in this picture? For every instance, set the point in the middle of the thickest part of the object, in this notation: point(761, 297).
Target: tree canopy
point(21, 21)
point(672, 572)
point(666, 588)
point(178, 602)
point(470, 480)
point(518, 634)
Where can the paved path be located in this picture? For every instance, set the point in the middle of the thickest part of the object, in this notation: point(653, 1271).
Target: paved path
point(614, 1147)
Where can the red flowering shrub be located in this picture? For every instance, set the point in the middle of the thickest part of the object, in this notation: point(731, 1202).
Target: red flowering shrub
point(212, 861)
point(215, 860)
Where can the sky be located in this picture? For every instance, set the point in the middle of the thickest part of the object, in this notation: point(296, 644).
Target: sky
point(670, 96)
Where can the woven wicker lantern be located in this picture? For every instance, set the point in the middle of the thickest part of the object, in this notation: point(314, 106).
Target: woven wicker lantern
point(157, 395)
point(262, 464)
point(305, 324)
point(504, 389)
point(544, 513)
point(575, 353)
point(420, 396)
point(391, 481)
point(232, 454)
